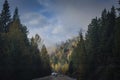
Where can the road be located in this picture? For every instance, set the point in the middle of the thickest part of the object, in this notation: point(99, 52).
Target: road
point(60, 77)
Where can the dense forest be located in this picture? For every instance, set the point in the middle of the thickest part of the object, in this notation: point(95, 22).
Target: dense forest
point(20, 57)
point(95, 56)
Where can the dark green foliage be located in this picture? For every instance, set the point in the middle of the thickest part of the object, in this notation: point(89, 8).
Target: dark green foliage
point(5, 17)
point(119, 7)
point(117, 41)
point(20, 59)
point(78, 59)
point(101, 59)
point(100, 47)
point(45, 61)
point(16, 16)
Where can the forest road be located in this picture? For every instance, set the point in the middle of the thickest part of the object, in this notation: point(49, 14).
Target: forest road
point(60, 77)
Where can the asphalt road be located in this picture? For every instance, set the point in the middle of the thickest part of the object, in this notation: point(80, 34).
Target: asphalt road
point(59, 77)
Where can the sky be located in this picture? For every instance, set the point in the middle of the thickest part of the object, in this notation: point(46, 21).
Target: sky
point(57, 20)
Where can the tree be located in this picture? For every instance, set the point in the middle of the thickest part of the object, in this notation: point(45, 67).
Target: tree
point(39, 41)
point(100, 46)
point(19, 58)
point(78, 59)
point(45, 60)
point(119, 7)
point(117, 42)
point(16, 16)
point(116, 54)
point(5, 17)
point(93, 40)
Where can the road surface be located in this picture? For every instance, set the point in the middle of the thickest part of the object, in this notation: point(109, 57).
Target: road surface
point(60, 77)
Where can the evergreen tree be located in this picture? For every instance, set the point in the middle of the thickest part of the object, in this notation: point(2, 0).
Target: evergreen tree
point(78, 59)
point(119, 7)
point(93, 39)
point(5, 17)
point(16, 16)
point(83, 54)
point(100, 45)
point(116, 54)
point(19, 58)
point(117, 42)
point(45, 60)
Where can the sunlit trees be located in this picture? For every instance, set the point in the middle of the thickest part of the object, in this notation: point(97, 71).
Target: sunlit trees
point(65, 68)
point(60, 59)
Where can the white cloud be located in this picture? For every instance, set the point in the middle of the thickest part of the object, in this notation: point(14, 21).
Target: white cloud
point(69, 17)
point(45, 3)
point(58, 29)
point(34, 20)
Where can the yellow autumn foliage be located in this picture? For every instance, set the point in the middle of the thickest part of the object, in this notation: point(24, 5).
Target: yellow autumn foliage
point(64, 68)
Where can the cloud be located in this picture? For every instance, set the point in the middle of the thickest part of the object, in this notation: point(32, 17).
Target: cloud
point(34, 20)
point(58, 20)
point(69, 17)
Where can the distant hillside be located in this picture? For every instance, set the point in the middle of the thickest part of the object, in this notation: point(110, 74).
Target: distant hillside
point(60, 57)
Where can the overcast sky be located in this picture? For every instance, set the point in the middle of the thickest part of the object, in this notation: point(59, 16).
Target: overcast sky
point(58, 20)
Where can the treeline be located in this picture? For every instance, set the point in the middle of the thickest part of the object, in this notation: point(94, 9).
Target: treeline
point(97, 56)
point(20, 57)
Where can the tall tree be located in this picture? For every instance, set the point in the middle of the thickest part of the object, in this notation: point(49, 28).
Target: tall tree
point(5, 17)
point(78, 59)
point(45, 60)
point(117, 40)
point(118, 7)
point(19, 59)
point(100, 46)
point(16, 15)
point(83, 54)
point(116, 55)
point(92, 37)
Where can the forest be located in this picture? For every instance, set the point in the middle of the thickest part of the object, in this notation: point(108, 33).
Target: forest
point(95, 56)
point(20, 57)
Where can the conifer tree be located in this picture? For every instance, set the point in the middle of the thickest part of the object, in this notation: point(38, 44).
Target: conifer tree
point(78, 59)
point(45, 60)
point(16, 15)
point(5, 17)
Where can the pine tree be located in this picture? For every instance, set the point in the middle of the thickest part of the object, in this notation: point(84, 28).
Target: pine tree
point(116, 56)
point(83, 54)
point(5, 17)
point(100, 46)
point(92, 37)
point(19, 59)
point(78, 59)
point(119, 7)
point(117, 41)
point(16, 15)
point(45, 60)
